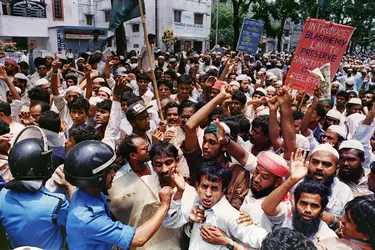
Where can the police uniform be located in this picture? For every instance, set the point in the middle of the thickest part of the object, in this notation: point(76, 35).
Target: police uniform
point(90, 226)
point(34, 219)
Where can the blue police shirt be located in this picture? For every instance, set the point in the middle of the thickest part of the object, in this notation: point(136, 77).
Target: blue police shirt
point(90, 226)
point(33, 219)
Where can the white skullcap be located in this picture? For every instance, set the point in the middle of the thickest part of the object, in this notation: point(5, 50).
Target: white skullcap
point(336, 83)
point(269, 74)
point(268, 64)
point(95, 100)
point(21, 76)
point(42, 82)
point(350, 81)
point(98, 79)
point(355, 100)
point(334, 114)
point(81, 58)
point(234, 83)
point(270, 88)
point(73, 89)
point(327, 148)
point(242, 78)
point(279, 83)
point(263, 70)
point(273, 77)
point(161, 57)
point(262, 90)
point(212, 67)
point(338, 130)
point(106, 90)
point(18, 90)
point(351, 144)
point(302, 142)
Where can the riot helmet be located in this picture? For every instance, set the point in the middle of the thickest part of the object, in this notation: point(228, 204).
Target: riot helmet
point(30, 157)
point(86, 164)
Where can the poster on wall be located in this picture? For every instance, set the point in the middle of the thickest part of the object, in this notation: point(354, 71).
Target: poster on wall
point(321, 42)
point(29, 8)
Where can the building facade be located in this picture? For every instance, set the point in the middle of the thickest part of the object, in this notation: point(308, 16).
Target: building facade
point(53, 25)
point(189, 19)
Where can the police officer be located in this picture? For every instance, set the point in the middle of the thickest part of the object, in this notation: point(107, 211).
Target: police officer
point(29, 213)
point(89, 225)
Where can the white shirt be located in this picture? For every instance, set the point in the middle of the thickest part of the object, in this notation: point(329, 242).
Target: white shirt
point(15, 129)
point(144, 56)
point(127, 168)
point(221, 215)
point(175, 99)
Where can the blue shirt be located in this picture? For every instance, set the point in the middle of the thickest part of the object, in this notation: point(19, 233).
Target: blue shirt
point(33, 219)
point(90, 225)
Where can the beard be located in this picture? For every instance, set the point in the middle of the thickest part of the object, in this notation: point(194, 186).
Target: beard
point(262, 193)
point(307, 228)
point(328, 183)
point(164, 179)
point(353, 175)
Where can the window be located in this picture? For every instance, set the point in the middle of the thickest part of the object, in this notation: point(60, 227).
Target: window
point(177, 16)
point(107, 15)
point(198, 18)
point(89, 19)
point(136, 46)
point(57, 6)
point(135, 28)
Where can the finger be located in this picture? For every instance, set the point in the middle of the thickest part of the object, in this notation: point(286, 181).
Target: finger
point(292, 157)
point(88, 60)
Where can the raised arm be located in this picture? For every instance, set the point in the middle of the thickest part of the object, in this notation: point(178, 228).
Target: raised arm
point(55, 78)
point(298, 170)
point(304, 127)
point(273, 125)
point(12, 89)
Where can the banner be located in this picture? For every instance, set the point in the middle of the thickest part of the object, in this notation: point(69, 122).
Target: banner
point(250, 35)
point(321, 42)
point(123, 11)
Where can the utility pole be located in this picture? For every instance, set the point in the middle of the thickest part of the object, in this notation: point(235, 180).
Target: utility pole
point(217, 21)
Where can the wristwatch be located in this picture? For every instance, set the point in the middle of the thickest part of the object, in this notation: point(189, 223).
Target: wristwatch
point(230, 245)
point(227, 139)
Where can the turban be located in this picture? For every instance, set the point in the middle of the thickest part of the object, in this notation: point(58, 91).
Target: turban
point(273, 163)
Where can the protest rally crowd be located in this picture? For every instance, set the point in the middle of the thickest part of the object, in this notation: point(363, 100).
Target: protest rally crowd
point(234, 157)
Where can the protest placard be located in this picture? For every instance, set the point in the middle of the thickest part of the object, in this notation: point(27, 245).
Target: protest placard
point(250, 35)
point(321, 42)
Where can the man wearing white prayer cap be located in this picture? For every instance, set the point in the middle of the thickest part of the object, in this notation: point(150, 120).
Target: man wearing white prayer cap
point(323, 167)
point(44, 84)
point(105, 93)
point(334, 135)
point(72, 93)
point(354, 105)
point(333, 117)
point(352, 173)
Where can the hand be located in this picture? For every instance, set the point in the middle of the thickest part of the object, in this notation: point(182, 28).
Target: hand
point(245, 218)
point(171, 134)
point(118, 89)
point(157, 136)
point(214, 235)
point(3, 73)
point(87, 67)
point(55, 66)
point(283, 95)
point(220, 132)
point(130, 77)
point(59, 177)
point(273, 104)
point(210, 82)
point(32, 46)
point(367, 78)
point(197, 215)
point(112, 62)
point(231, 61)
point(27, 119)
point(6, 137)
point(165, 195)
point(317, 94)
point(298, 165)
point(66, 66)
point(226, 92)
point(162, 126)
point(177, 179)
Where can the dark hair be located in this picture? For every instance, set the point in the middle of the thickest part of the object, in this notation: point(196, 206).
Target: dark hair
point(165, 82)
point(352, 92)
point(39, 61)
point(214, 171)
point(83, 132)
point(232, 74)
point(320, 111)
point(171, 73)
point(233, 126)
point(259, 93)
point(370, 92)
point(243, 123)
point(240, 96)
point(343, 93)
point(71, 77)
point(361, 211)
point(133, 99)
point(285, 239)
point(79, 103)
point(127, 146)
point(186, 104)
point(49, 120)
point(372, 167)
point(163, 149)
point(216, 111)
point(4, 128)
point(170, 105)
point(105, 104)
point(23, 64)
point(5, 108)
point(43, 105)
point(261, 122)
point(151, 36)
point(312, 187)
point(185, 79)
point(143, 76)
point(297, 115)
point(158, 68)
point(125, 96)
point(38, 94)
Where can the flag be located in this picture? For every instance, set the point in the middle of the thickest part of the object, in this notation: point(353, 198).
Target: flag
point(124, 10)
point(181, 67)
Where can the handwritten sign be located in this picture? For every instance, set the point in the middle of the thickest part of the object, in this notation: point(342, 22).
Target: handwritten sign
point(321, 42)
point(250, 35)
